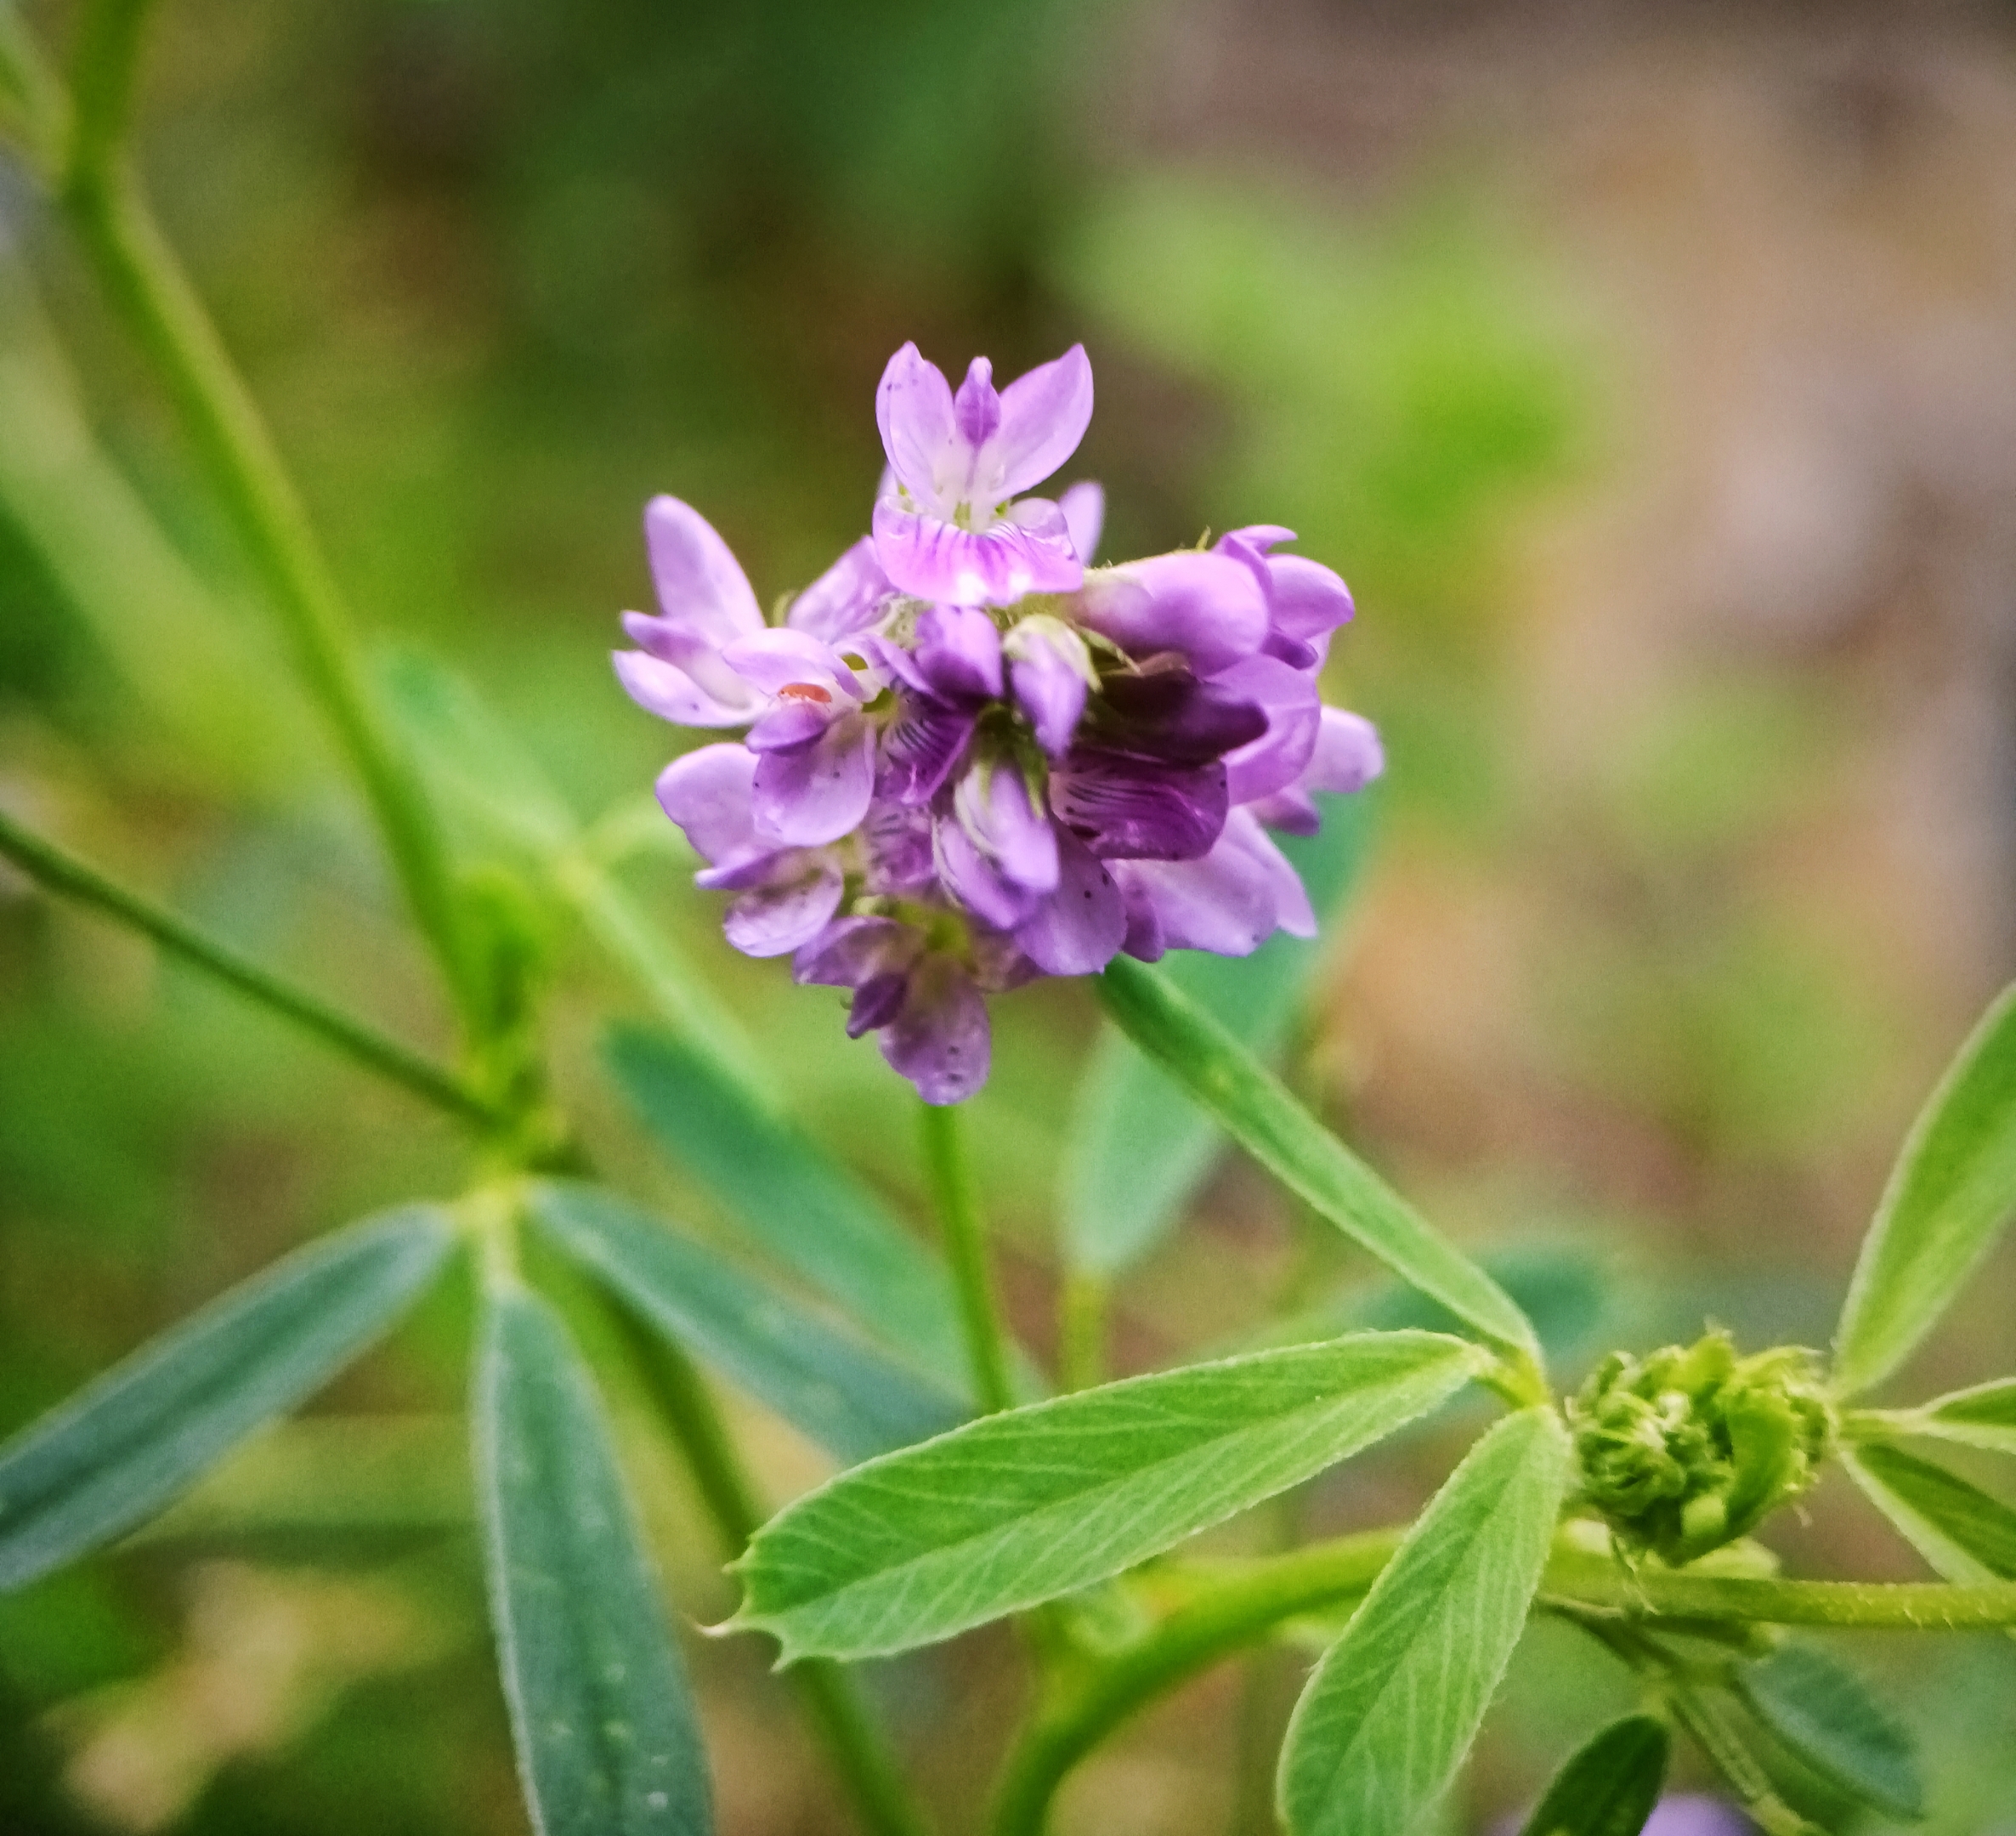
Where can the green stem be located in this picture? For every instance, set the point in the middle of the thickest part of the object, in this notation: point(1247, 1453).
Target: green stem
point(1722, 1741)
point(957, 1203)
point(1081, 1330)
point(1229, 1614)
point(39, 118)
point(1229, 1617)
point(149, 286)
point(825, 1691)
point(62, 873)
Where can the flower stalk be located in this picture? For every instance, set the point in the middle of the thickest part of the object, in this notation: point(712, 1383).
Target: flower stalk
point(958, 1204)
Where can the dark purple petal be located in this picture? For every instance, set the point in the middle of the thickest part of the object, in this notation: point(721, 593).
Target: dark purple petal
point(773, 921)
point(818, 792)
point(1295, 652)
point(941, 1040)
point(701, 587)
point(848, 595)
point(1009, 825)
point(923, 554)
point(1168, 714)
point(958, 653)
point(1080, 927)
point(1206, 608)
point(1288, 699)
point(671, 694)
point(920, 747)
point(974, 880)
point(1123, 808)
point(1043, 415)
point(976, 409)
point(1348, 755)
point(1083, 505)
point(1145, 939)
point(849, 951)
point(920, 432)
point(896, 844)
point(877, 1001)
point(709, 794)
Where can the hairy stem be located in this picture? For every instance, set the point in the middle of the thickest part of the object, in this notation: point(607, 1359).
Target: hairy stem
point(1226, 1615)
point(148, 285)
point(825, 1692)
point(958, 1202)
point(63, 873)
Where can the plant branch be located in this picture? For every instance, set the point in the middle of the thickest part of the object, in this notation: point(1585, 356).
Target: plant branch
point(825, 1691)
point(39, 117)
point(148, 285)
point(63, 874)
point(957, 1203)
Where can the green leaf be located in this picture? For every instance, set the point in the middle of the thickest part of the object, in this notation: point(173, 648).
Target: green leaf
point(1139, 1146)
point(1396, 1702)
point(851, 1400)
point(1825, 1716)
point(806, 1210)
point(1283, 1135)
point(128, 1442)
point(1953, 1188)
point(1984, 1416)
point(1610, 1786)
point(1018, 1508)
point(1965, 1535)
point(608, 1742)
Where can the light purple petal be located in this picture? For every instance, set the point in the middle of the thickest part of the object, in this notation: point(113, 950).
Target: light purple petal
point(920, 747)
point(976, 882)
point(1293, 810)
point(1145, 939)
point(1008, 825)
point(1223, 903)
point(708, 793)
point(671, 694)
point(896, 662)
point(701, 586)
point(1309, 600)
point(847, 598)
point(1288, 699)
point(920, 432)
point(1348, 755)
point(925, 555)
point(1043, 418)
point(1051, 693)
point(820, 791)
point(773, 921)
point(779, 662)
point(941, 1040)
point(788, 724)
point(1206, 608)
point(1083, 505)
point(1080, 927)
point(1129, 809)
point(1292, 913)
point(896, 847)
point(959, 652)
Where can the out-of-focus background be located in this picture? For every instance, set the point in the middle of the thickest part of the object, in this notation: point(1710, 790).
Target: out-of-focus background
point(1650, 374)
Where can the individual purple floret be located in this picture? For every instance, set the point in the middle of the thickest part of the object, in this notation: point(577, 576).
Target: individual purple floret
point(968, 757)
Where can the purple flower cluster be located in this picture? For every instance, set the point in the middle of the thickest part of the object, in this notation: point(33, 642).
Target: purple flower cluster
point(967, 758)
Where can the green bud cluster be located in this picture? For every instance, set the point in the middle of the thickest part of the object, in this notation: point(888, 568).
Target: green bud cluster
point(1691, 1447)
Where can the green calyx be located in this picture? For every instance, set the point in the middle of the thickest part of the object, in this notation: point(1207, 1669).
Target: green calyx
point(1691, 1447)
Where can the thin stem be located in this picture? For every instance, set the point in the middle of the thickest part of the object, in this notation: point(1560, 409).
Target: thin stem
point(1195, 1636)
point(957, 1203)
point(147, 284)
point(825, 1692)
point(40, 117)
point(1081, 1330)
point(63, 873)
point(1591, 1582)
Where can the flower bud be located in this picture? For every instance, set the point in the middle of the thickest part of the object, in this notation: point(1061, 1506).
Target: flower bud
point(1691, 1447)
